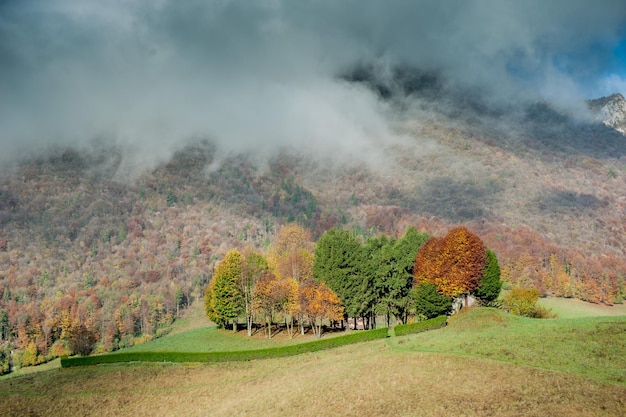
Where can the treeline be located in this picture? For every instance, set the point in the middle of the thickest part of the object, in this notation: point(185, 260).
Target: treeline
point(344, 279)
point(529, 260)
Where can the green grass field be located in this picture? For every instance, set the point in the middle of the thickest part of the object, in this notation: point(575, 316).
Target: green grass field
point(569, 308)
point(593, 347)
point(211, 339)
point(484, 363)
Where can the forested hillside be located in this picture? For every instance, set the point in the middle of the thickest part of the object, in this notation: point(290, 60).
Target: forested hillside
point(86, 246)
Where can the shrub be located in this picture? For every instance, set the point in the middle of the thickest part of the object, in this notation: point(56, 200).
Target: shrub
point(523, 302)
point(59, 348)
point(420, 326)
point(543, 313)
point(242, 355)
point(29, 356)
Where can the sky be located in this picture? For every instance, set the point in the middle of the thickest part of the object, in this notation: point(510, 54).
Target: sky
point(260, 75)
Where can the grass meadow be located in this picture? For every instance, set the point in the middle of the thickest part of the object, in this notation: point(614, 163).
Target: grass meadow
point(484, 363)
point(569, 308)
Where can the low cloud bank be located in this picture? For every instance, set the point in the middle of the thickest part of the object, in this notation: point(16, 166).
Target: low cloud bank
point(267, 74)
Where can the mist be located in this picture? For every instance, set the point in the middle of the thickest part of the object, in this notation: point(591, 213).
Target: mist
point(258, 76)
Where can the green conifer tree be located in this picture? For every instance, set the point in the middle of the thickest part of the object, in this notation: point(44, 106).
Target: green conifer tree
point(490, 283)
point(224, 298)
point(429, 303)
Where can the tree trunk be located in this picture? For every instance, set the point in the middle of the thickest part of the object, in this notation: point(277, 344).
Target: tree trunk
point(235, 326)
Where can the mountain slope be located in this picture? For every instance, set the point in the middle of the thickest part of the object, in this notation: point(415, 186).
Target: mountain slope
point(80, 240)
point(611, 111)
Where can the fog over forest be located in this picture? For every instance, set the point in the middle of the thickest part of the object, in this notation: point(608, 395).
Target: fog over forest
point(262, 75)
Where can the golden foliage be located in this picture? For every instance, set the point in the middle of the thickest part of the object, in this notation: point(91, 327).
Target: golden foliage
point(454, 263)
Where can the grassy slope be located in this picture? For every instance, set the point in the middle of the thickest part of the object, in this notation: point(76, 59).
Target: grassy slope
point(195, 333)
point(449, 371)
point(569, 308)
point(592, 347)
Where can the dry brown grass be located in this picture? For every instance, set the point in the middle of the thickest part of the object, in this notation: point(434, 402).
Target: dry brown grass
point(369, 379)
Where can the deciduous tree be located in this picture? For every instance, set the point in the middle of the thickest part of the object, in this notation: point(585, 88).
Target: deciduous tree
point(267, 296)
point(253, 267)
point(319, 302)
point(454, 263)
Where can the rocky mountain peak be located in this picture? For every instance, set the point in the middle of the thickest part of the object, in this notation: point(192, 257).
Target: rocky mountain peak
point(611, 111)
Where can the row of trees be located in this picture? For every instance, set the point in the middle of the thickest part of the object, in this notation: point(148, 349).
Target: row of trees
point(529, 260)
point(277, 284)
point(345, 277)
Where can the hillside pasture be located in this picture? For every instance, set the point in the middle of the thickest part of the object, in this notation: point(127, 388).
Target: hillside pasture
point(569, 308)
point(212, 339)
point(369, 379)
point(592, 347)
point(484, 363)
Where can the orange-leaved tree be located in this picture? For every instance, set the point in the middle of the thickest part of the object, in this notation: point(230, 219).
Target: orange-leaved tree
point(319, 302)
point(454, 263)
point(267, 295)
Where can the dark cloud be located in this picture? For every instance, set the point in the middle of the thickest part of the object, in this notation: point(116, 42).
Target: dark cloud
point(265, 74)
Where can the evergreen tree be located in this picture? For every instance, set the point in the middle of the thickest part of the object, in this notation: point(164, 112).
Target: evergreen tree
point(338, 262)
point(170, 199)
point(490, 283)
point(429, 303)
point(386, 275)
point(6, 361)
point(224, 299)
point(4, 325)
point(406, 250)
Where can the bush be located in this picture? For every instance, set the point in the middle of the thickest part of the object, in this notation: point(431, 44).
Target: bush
point(543, 313)
point(242, 355)
point(523, 302)
point(29, 356)
point(6, 362)
point(420, 326)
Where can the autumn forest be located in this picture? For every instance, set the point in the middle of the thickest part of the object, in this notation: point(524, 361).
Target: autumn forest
point(95, 257)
